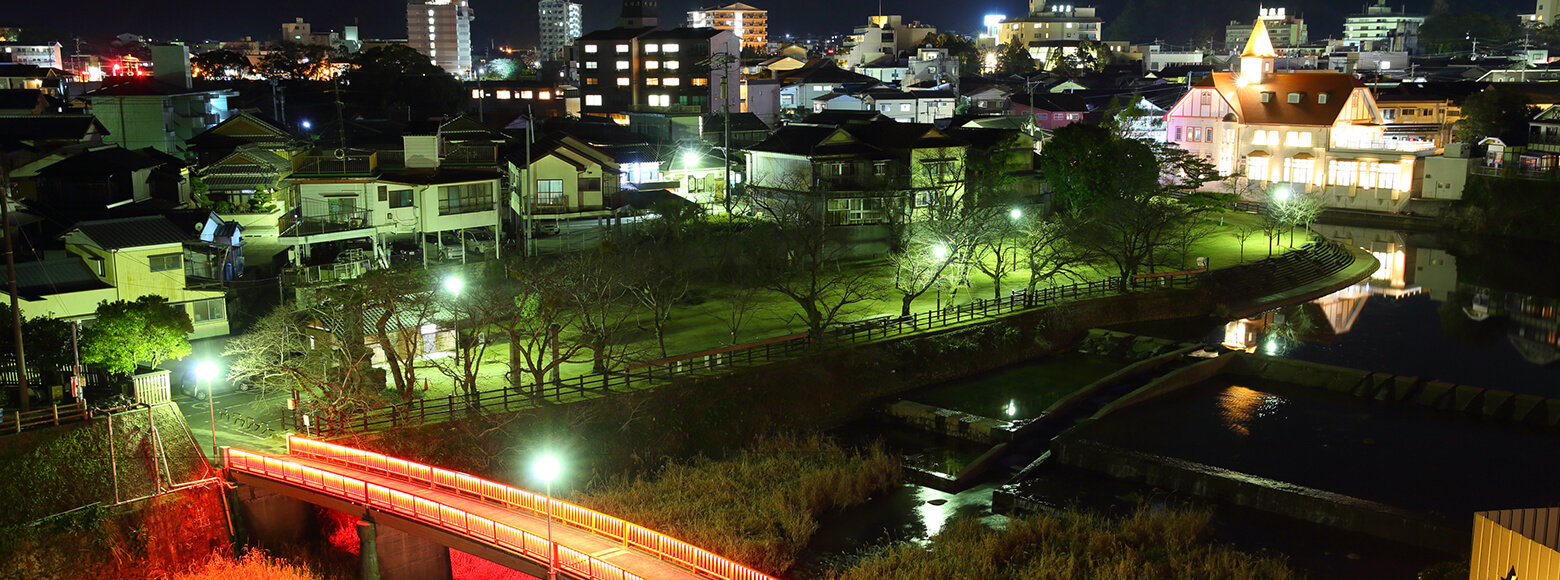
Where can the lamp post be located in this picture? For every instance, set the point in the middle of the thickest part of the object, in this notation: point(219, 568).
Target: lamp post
point(939, 252)
point(454, 286)
point(547, 468)
point(207, 371)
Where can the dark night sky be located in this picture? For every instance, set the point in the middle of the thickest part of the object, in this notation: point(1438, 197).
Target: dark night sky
point(515, 21)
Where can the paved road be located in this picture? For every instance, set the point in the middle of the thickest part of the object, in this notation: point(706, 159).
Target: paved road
point(231, 432)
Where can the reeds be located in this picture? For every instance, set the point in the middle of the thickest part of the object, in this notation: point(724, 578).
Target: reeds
point(1148, 544)
point(253, 564)
point(758, 508)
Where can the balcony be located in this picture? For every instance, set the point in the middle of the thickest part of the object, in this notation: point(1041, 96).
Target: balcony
point(326, 273)
point(299, 222)
point(670, 109)
point(1383, 145)
point(329, 163)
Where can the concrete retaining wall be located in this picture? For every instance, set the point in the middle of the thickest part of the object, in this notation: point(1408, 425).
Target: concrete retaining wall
point(1312, 505)
point(1172, 382)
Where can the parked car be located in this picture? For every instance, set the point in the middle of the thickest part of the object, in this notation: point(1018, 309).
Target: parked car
point(405, 252)
point(480, 240)
point(450, 249)
point(544, 229)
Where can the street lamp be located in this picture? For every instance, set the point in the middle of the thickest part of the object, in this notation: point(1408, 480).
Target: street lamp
point(546, 469)
point(1281, 193)
point(454, 286)
point(207, 371)
point(1015, 213)
point(939, 251)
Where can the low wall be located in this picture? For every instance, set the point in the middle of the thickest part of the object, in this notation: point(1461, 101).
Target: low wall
point(1496, 405)
point(1174, 381)
point(949, 422)
point(1312, 505)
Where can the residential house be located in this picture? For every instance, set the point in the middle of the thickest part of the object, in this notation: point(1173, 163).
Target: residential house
point(565, 177)
point(1423, 111)
point(119, 259)
point(761, 97)
point(987, 99)
point(1050, 110)
point(860, 171)
point(244, 159)
point(46, 79)
point(799, 87)
point(104, 180)
point(1318, 132)
point(41, 137)
point(746, 129)
point(152, 113)
point(352, 208)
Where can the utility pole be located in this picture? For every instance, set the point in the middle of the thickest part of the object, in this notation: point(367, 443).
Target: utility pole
point(22, 393)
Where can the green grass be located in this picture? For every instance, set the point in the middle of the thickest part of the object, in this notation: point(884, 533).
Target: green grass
point(1148, 544)
point(758, 508)
point(694, 327)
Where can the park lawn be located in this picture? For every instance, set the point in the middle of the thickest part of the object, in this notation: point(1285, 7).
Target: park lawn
point(694, 326)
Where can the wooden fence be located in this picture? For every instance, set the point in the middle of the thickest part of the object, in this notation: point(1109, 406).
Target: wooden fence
point(420, 411)
point(16, 421)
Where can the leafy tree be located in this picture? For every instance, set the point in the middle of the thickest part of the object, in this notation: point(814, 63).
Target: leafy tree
point(291, 60)
point(1454, 32)
point(1496, 111)
point(397, 77)
point(146, 330)
point(1087, 166)
point(219, 64)
point(506, 69)
point(1014, 59)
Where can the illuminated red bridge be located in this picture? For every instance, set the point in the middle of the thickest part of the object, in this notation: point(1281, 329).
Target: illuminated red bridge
point(501, 524)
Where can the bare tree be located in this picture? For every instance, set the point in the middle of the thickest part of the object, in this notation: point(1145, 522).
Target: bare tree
point(740, 306)
point(597, 292)
point(1191, 231)
point(1242, 234)
point(793, 255)
point(998, 244)
point(322, 355)
point(394, 304)
point(532, 308)
point(476, 310)
point(656, 276)
point(1047, 250)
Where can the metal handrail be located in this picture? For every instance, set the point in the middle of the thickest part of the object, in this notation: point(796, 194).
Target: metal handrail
point(661, 545)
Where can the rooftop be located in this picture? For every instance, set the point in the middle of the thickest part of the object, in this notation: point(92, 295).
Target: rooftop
point(136, 232)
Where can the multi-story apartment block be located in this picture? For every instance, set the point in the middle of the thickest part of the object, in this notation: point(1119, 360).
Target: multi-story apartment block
point(562, 23)
point(884, 36)
point(43, 55)
point(1309, 132)
point(1055, 22)
point(162, 112)
point(1543, 14)
point(658, 71)
point(748, 23)
point(441, 29)
point(1283, 30)
point(1381, 28)
point(300, 32)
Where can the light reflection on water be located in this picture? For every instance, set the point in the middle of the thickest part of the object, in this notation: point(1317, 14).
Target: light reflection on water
point(1239, 406)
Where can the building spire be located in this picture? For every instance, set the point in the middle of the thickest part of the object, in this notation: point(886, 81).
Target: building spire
point(1259, 45)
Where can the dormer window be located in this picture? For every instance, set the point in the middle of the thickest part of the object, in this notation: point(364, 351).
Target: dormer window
point(1267, 97)
point(1321, 98)
point(1294, 98)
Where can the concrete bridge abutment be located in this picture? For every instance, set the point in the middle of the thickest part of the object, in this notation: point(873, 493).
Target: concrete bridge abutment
point(391, 554)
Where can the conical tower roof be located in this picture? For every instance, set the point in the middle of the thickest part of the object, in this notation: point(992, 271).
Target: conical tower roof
point(1259, 45)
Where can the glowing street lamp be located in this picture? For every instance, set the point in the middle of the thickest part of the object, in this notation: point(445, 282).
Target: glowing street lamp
point(454, 286)
point(690, 158)
point(1015, 213)
point(547, 469)
point(207, 371)
point(1281, 194)
point(939, 251)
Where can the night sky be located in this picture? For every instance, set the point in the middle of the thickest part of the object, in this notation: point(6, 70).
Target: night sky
point(514, 21)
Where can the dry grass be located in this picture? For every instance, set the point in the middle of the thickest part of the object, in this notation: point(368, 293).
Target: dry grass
point(1149, 544)
point(252, 565)
point(758, 508)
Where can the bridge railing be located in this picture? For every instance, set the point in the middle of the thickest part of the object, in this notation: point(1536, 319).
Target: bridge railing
point(629, 534)
point(427, 511)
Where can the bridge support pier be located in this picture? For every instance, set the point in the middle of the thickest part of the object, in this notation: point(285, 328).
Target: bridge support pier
point(391, 554)
point(272, 520)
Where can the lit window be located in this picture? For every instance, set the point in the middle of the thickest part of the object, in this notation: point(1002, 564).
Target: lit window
point(591, 64)
point(526, 94)
point(622, 65)
point(593, 100)
point(504, 94)
point(166, 262)
point(1257, 168)
point(544, 95)
point(671, 81)
point(671, 65)
point(652, 64)
point(622, 81)
point(701, 81)
point(208, 310)
point(622, 48)
point(652, 81)
point(476, 94)
point(1298, 170)
point(590, 48)
point(652, 48)
point(592, 81)
point(669, 48)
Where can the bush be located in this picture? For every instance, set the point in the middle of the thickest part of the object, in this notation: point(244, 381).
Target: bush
point(253, 564)
point(1169, 544)
point(758, 508)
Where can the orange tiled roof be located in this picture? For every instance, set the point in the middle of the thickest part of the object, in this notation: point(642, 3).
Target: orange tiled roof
point(1249, 108)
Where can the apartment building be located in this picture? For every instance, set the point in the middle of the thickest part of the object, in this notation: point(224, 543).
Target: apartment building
point(441, 29)
point(562, 21)
point(749, 23)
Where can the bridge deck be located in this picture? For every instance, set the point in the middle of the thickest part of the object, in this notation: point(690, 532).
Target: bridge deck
point(581, 543)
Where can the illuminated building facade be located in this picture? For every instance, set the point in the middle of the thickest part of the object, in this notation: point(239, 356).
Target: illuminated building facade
point(562, 23)
point(1305, 133)
point(1282, 29)
point(655, 71)
point(441, 29)
point(748, 23)
point(1049, 22)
